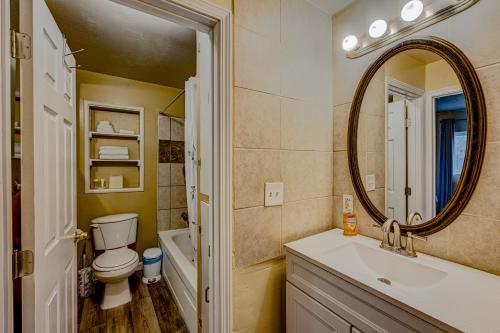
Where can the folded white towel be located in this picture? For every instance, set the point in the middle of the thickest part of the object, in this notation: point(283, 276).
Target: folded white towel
point(113, 150)
point(17, 148)
point(105, 130)
point(113, 157)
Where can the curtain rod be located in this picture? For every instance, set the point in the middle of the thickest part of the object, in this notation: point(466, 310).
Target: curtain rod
point(174, 100)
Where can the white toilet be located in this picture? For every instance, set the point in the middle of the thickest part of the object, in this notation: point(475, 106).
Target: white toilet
point(113, 233)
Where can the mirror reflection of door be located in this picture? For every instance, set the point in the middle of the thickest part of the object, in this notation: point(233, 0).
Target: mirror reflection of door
point(413, 136)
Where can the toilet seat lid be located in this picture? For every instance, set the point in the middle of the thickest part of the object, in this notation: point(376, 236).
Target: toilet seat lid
point(112, 260)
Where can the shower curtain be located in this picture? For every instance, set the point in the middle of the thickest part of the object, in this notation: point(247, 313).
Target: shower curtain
point(191, 163)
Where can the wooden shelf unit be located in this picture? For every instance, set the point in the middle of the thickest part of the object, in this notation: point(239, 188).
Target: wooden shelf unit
point(117, 115)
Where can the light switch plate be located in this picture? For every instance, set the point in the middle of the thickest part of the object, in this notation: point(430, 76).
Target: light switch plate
point(370, 183)
point(273, 194)
point(347, 203)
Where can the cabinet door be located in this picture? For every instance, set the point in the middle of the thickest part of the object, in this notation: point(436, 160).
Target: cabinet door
point(305, 315)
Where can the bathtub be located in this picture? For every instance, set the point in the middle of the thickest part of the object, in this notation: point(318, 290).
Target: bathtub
point(180, 273)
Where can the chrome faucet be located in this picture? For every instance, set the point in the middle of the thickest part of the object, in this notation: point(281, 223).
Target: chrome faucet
point(386, 242)
point(395, 245)
point(412, 216)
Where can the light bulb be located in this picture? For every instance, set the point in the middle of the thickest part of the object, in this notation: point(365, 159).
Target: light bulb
point(412, 10)
point(350, 43)
point(377, 28)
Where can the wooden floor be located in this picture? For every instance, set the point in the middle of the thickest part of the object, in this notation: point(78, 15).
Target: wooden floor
point(152, 309)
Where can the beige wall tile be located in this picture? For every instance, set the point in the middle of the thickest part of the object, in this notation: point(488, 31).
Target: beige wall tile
point(178, 197)
point(176, 130)
point(484, 202)
point(163, 174)
point(475, 241)
point(306, 174)
point(375, 165)
point(340, 126)
point(163, 128)
point(475, 32)
point(306, 62)
point(163, 220)
point(337, 211)
point(164, 197)
point(252, 168)
point(257, 235)
point(341, 176)
point(259, 298)
point(177, 174)
point(256, 119)
point(490, 81)
point(176, 221)
point(436, 244)
point(260, 16)
point(374, 133)
point(306, 126)
point(306, 217)
point(365, 222)
point(256, 61)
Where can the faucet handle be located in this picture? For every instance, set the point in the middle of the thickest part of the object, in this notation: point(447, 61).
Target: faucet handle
point(409, 249)
point(410, 235)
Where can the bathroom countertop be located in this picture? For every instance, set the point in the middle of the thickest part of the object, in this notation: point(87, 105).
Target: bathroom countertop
point(464, 298)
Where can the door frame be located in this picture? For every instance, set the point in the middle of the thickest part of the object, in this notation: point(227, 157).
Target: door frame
point(418, 96)
point(197, 14)
point(6, 283)
point(430, 141)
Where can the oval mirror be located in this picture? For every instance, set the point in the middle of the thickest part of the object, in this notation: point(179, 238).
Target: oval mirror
point(417, 133)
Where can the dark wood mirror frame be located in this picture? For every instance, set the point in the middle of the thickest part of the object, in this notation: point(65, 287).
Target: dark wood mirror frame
point(476, 132)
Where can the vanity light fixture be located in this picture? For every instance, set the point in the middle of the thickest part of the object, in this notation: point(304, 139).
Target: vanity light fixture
point(378, 28)
point(412, 10)
point(350, 43)
point(415, 16)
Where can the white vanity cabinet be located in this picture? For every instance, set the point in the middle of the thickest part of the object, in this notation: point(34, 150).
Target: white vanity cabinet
point(304, 314)
point(318, 301)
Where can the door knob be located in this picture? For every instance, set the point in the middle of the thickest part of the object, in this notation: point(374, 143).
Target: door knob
point(79, 235)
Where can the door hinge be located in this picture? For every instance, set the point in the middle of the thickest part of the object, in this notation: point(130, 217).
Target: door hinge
point(22, 263)
point(407, 191)
point(408, 123)
point(20, 45)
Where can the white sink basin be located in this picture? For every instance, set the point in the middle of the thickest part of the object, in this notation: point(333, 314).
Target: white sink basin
point(460, 296)
point(383, 266)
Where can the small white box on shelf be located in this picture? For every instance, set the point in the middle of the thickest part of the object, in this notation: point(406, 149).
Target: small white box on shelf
point(116, 182)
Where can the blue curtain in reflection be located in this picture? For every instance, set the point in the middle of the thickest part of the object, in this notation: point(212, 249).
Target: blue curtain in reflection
point(444, 184)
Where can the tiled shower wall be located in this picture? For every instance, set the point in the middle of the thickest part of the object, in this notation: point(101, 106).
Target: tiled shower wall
point(171, 184)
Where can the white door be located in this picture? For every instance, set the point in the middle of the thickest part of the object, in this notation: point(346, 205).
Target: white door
point(396, 156)
point(205, 173)
point(414, 169)
point(48, 174)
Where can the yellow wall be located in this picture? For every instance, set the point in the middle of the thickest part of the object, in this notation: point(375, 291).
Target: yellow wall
point(406, 69)
point(439, 75)
point(115, 90)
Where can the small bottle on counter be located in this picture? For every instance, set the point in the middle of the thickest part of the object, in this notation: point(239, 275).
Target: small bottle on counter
point(350, 224)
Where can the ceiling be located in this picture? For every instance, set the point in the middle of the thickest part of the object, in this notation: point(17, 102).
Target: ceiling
point(423, 56)
point(124, 42)
point(331, 6)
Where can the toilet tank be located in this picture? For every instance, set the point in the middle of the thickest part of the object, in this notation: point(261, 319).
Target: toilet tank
point(114, 231)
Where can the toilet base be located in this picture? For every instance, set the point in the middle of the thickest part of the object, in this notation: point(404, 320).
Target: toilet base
point(116, 294)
